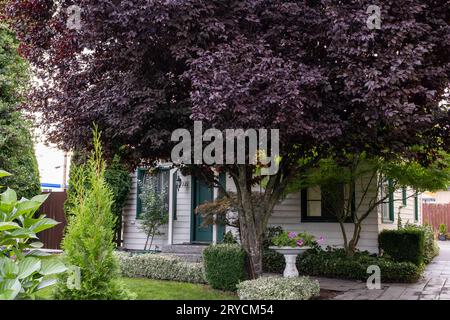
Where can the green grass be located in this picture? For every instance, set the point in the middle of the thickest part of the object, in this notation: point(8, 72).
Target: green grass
point(148, 289)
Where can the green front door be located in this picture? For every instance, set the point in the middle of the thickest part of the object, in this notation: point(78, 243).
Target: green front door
point(202, 193)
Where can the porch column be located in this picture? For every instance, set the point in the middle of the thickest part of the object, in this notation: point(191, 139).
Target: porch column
point(171, 209)
point(215, 196)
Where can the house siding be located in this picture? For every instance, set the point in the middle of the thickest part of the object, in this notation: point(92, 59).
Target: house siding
point(287, 214)
point(134, 238)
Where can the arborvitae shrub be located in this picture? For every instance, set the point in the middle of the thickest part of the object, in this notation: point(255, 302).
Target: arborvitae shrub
point(88, 243)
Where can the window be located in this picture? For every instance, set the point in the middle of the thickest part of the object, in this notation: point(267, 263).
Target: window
point(325, 203)
point(387, 207)
point(162, 177)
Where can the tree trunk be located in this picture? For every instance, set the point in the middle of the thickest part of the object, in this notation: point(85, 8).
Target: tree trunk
point(352, 245)
point(344, 235)
point(251, 241)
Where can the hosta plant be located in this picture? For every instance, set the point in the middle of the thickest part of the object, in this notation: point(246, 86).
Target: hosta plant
point(23, 268)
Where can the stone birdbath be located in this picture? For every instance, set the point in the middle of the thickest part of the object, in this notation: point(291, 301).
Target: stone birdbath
point(290, 255)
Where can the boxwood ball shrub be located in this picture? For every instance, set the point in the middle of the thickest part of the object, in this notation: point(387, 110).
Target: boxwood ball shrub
point(277, 288)
point(225, 266)
point(403, 245)
point(159, 267)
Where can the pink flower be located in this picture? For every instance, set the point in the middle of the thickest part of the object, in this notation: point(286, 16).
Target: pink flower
point(300, 242)
point(321, 240)
point(292, 235)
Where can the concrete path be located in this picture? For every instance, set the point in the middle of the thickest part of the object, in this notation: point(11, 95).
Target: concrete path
point(435, 284)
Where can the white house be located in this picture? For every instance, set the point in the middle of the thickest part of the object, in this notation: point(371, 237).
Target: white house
point(300, 211)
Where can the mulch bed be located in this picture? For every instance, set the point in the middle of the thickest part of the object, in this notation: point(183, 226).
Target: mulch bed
point(327, 294)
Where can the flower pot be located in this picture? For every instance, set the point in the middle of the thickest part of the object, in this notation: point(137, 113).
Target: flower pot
point(442, 237)
point(290, 256)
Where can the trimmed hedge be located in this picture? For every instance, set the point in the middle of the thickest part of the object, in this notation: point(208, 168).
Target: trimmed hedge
point(431, 248)
point(336, 264)
point(160, 267)
point(403, 245)
point(225, 266)
point(276, 288)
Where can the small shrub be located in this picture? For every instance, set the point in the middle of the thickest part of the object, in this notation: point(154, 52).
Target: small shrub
point(160, 267)
point(229, 238)
point(276, 288)
point(404, 245)
point(431, 248)
point(442, 228)
point(336, 264)
point(273, 262)
point(225, 266)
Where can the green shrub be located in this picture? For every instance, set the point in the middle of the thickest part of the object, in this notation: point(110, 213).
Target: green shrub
point(336, 264)
point(431, 248)
point(404, 245)
point(118, 180)
point(160, 267)
point(88, 243)
point(17, 154)
point(225, 266)
point(229, 238)
point(277, 288)
point(273, 262)
point(442, 228)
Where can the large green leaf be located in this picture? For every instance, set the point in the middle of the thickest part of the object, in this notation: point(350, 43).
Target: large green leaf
point(23, 233)
point(40, 198)
point(9, 196)
point(46, 283)
point(28, 266)
point(8, 226)
point(3, 173)
point(38, 253)
point(9, 289)
point(52, 266)
point(27, 208)
point(43, 224)
point(8, 269)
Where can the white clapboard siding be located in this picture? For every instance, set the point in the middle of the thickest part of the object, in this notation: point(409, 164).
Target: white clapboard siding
point(406, 212)
point(134, 238)
point(287, 214)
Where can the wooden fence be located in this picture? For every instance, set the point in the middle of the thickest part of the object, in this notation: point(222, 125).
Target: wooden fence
point(435, 214)
point(53, 208)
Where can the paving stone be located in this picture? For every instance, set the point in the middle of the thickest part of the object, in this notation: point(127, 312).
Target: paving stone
point(429, 297)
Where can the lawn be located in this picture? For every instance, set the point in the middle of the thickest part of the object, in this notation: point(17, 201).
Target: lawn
point(148, 289)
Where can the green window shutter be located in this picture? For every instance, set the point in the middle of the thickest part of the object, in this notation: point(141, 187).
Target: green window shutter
point(404, 196)
point(174, 195)
point(416, 207)
point(140, 177)
point(391, 200)
point(303, 204)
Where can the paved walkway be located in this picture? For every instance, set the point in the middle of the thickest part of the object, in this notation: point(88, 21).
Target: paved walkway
point(435, 284)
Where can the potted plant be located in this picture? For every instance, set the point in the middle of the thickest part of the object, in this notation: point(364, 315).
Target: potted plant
point(442, 232)
point(291, 244)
